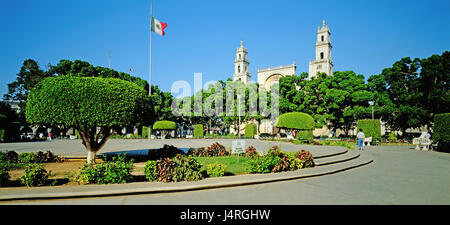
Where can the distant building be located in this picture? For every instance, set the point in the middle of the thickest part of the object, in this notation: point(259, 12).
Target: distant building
point(269, 76)
point(323, 62)
point(14, 104)
point(241, 65)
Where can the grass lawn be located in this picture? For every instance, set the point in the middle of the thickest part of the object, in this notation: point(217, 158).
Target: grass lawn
point(234, 164)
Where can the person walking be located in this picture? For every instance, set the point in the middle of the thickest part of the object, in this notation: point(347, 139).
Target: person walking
point(360, 137)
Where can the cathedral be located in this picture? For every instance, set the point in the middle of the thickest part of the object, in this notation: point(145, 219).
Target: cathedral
point(269, 76)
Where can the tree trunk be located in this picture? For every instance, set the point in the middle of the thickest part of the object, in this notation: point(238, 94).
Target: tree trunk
point(92, 142)
point(91, 157)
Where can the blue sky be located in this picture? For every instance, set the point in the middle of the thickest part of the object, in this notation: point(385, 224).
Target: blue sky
point(202, 35)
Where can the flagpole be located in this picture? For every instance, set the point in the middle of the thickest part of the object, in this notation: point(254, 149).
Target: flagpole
point(150, 64)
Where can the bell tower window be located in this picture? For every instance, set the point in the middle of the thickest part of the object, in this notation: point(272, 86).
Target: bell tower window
point(322, 37)
point(321, 55)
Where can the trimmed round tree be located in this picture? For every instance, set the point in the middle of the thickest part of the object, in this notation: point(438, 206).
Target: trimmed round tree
point(301, 122)
point(164, 126)
point(94, 106)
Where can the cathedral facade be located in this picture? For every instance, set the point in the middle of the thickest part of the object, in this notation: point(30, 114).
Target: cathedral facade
point(268, 76)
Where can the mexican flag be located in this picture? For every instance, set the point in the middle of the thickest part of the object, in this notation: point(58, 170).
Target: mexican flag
point(158, 26)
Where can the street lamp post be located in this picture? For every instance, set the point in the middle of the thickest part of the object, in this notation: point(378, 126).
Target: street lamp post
point(372, 103)
point(239, 114)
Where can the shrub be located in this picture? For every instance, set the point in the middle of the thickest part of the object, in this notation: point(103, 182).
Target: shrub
point(370, 128)
point(150, 170)
point(250, 152)
point(167, 151)
point(305, 135)
point(277, 161)
point(267, 163)
point(250, 130)
point(2, 134)
point(35, 175)
point(306, 159)
point(47, 157)
point(145, 132)
point(441, 131)
point(392, 137)
point(198, 130)
point(215, 149)
point(179, 168)
point(11, 156)
point(26, 157)
point(4, 177)
point(117, 170)
point(216, 170)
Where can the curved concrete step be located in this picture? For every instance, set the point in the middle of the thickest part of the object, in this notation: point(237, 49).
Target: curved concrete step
point(326, 155)
point(349, 155)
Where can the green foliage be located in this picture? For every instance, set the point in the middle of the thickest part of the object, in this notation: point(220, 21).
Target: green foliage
point(296, 121)
point(370, 128)
point(441, 131)
point(150, 170)
point(9, 123)
point(250, 130)
point(235, 164)
point(145, 131)
point(198, 130)
point(305, 135)
point(35, 175)
point(216, 170)
point(392, 137)
point(86, 102)
point(26, 157)
point(38, 157)
point(4, 177)
point(117, 170)
point(164, 125)
point(277, 161)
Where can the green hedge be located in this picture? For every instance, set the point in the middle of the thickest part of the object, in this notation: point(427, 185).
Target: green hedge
point(145, 131)
point(305, 135)
point(296, 121)
point(370, 128)
point(250, 130)
point(198, 130)
point(441, 131)
point(164, 125)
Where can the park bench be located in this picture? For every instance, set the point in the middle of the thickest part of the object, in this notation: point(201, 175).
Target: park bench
point(424, 142)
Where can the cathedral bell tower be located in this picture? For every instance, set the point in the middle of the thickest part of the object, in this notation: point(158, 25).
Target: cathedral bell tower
point(241, 68)
point(323, 62)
